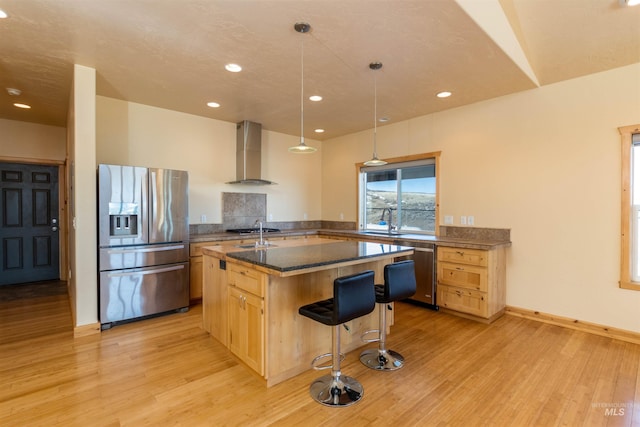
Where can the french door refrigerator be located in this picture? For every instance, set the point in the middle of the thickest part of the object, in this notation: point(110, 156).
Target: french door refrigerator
point(143, 254)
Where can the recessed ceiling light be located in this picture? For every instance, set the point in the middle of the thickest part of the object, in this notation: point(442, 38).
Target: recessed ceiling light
point(444, 94)
point(315, 98)
point(213, 104)
point(17, 104)
point(319, 131)
point(3, 14)
point(383, 119)
point(629, 2)
point(234, 68)
point(13, 91)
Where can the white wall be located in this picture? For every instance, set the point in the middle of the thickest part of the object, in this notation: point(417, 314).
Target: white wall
point(544, 163)
point(136, 134)
point(83, 243)
point(26, 140)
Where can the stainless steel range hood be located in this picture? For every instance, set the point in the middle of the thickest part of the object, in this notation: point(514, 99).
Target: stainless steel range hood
point(249, 154)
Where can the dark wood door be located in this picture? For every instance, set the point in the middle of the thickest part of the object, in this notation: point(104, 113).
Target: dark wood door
point(29, 223)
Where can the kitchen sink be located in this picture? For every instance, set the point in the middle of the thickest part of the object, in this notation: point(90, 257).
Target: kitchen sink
point(253, 246)
point(381, 233)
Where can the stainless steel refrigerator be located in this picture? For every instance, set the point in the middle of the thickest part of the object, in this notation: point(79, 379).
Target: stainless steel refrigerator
point(143, 254)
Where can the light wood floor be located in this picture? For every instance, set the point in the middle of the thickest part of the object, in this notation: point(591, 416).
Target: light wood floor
point(168, 371)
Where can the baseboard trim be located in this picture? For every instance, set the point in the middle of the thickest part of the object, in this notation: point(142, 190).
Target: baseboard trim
point(86, 330)
point(579, 325)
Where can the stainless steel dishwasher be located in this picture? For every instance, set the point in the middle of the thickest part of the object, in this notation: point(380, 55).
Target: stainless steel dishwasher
point(424, 258)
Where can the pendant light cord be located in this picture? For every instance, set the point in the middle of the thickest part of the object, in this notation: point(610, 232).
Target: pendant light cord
point(375, 116)
point(302, 91)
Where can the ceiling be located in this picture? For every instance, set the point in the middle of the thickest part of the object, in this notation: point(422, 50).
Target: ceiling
point(171, 54)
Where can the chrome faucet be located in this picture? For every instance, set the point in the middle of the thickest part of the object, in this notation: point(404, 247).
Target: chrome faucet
point(390, 226)
point(258, 223)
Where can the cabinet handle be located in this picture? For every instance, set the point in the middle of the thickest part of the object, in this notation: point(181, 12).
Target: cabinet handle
point(459, 293)
point(459, 268)
point(460, 253)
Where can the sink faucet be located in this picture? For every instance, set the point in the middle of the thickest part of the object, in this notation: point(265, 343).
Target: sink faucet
point(258, 223)
point(390, 226)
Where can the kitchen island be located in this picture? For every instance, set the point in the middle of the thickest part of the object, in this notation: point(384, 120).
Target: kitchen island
point(251, 298)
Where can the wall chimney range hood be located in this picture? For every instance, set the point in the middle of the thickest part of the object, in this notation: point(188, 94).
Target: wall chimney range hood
point(249, 154)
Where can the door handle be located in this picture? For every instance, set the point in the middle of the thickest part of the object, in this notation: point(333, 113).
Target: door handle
point(54, 228)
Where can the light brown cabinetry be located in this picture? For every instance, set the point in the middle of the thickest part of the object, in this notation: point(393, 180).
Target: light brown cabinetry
point(196, 265)
point(471, 282)
point(214, 298)
point(246, 315)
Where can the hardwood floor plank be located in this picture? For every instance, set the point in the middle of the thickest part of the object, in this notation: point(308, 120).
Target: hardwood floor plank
point(169, 371)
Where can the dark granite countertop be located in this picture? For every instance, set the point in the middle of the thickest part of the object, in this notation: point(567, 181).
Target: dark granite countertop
point(284, 259)
point(456, 237)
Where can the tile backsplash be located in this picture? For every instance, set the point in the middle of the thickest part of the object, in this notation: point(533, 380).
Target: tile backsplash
point(241, 210)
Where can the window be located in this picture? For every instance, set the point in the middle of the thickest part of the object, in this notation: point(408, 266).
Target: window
point(400, 196)
point(630, 222)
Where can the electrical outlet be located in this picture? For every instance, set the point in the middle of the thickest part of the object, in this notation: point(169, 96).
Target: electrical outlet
point(463, 220)
point(203, 218)
point(448, 219)
point(341, 216)
point(304, 216)
point(270, 217)
point(470, 220)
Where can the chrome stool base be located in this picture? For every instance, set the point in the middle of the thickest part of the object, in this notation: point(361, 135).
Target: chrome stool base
point(382, 360)
point(336, 391)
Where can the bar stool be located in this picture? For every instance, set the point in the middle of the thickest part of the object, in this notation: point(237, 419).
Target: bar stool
point(399, 283)
point(353, 296)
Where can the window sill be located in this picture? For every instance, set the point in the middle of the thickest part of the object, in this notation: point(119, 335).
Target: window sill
point(634, 286)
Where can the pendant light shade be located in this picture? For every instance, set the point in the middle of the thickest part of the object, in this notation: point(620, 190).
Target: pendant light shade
point(375, 161)
point(302, 148)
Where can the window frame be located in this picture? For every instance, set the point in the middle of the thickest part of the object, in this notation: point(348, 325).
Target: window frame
point(626, 250)
point(415, 157)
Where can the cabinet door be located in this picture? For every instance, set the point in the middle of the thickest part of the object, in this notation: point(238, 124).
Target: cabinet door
point(254, 350)
point(214, 298)
point(195, 278)
point(237, 322)
point(246, 328)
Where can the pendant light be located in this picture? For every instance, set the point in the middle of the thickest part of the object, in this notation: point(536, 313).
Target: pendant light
point(375, 161)
point(302, 148)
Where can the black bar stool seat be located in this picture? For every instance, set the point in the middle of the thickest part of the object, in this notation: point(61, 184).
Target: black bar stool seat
point(399, 283)
point(353, 296)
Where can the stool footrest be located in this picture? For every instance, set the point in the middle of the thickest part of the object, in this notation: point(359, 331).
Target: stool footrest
point(364, 338)
point(314, 362)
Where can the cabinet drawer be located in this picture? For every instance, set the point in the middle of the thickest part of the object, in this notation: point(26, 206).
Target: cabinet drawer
point(463, 256)
point(464, 300)
point(246, 278)
point(461, 275)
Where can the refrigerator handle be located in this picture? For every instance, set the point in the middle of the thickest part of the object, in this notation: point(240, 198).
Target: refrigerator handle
point(145, 272)
point(139, 250)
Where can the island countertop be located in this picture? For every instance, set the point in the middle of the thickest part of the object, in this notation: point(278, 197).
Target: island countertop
point(289, 259)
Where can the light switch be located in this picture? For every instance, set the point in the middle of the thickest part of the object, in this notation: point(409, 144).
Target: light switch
point(463, 220)
point(470, 220)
